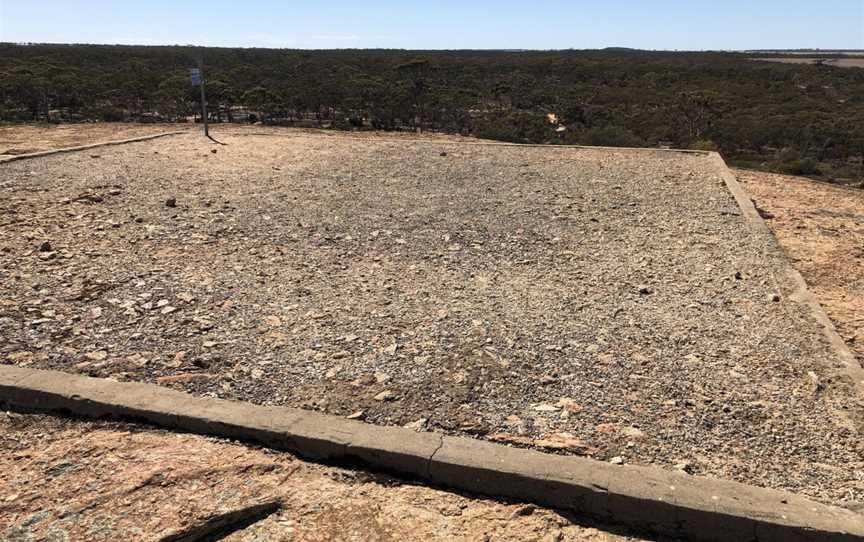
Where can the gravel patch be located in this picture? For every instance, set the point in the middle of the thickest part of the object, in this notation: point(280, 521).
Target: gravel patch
point(606, 303)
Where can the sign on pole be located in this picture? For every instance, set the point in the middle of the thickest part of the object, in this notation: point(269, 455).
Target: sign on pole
point(198, 81)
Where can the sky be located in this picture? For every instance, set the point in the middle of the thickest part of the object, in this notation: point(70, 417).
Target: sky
point(443, 24)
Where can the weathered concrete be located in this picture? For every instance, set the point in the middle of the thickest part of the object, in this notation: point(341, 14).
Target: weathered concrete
point(643, 498)
point(86, 147)
point(800, 292)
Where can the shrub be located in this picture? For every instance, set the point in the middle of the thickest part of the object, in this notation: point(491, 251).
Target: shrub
point(703, 145)
point(105, 113)
point(807, 166)
point(788, 154)
point(515, 126)
point(611, 136)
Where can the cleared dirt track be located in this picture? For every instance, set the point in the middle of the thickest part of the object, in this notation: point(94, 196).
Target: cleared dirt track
point(606, 303)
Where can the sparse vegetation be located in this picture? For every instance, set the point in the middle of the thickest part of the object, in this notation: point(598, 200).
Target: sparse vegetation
point(753, 112)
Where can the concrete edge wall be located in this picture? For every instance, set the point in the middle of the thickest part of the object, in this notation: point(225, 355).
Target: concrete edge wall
point(800, 292)
point(645, 499)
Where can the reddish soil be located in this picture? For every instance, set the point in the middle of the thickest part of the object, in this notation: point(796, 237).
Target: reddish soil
point(76, 480)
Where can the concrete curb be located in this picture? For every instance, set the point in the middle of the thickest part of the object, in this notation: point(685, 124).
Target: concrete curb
point(40, 154)
point(800, 292)
point(641, 498)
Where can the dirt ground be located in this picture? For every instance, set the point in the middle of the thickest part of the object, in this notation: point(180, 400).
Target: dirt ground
point(28, 138)
point(24, 139)
point(63, 480)
point(603, 303)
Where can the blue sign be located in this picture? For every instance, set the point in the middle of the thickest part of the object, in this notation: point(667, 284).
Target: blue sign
point(195, 73)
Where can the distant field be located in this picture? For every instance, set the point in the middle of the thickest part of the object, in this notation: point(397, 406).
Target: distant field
point(853, 62)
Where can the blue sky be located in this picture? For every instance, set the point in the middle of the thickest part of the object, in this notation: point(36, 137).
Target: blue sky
point(445, 24)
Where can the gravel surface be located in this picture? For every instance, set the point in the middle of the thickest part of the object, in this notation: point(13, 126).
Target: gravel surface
point(605, 303)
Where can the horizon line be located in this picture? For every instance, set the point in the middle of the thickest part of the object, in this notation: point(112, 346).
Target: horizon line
point(510, 50)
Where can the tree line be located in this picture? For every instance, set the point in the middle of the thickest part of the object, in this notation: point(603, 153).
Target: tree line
point(804, 119)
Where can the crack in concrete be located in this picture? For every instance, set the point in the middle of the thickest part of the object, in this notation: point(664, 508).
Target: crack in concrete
point(432, 456)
